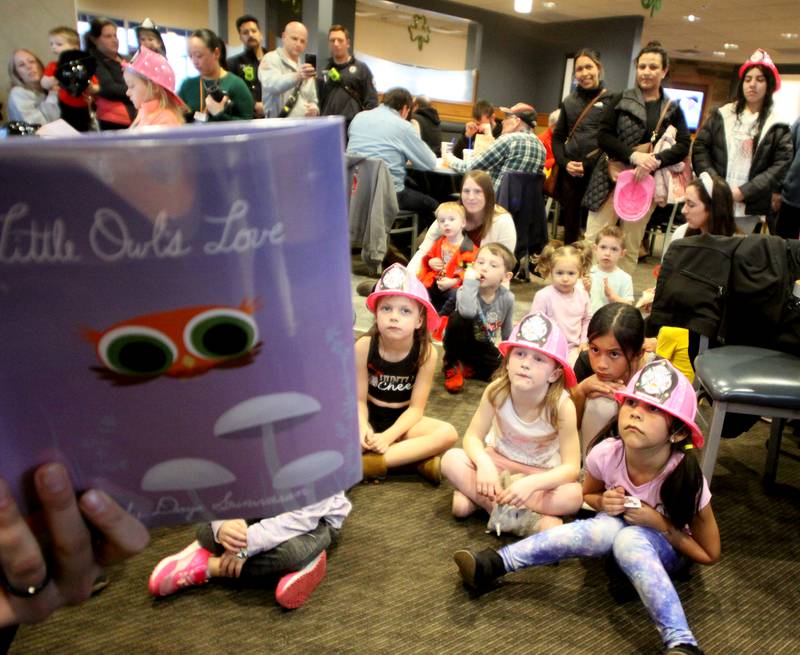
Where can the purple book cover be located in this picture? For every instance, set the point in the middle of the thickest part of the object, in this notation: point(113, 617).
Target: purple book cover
point(177, 319)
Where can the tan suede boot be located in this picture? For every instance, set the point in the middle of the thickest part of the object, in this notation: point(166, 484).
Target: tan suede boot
point(431, 469)
point(374, 466)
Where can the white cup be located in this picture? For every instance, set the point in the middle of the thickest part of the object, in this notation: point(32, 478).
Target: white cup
point(467, 156)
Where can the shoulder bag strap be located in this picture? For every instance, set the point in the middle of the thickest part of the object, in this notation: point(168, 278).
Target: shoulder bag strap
point(585, 111)
point(654, 135)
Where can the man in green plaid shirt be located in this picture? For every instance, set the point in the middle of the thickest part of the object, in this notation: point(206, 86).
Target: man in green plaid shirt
point(516, 149)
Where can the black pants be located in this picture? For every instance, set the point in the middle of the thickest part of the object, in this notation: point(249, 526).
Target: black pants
point(460, 345)
point(413, 200)
point(443, 301)
point(788, 225)
point(570, 195)
point(106, 125)
point(292, 555)
point(78, 117)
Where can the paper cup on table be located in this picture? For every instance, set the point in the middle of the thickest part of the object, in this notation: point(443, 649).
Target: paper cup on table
point(467, 156)
point(447, 147)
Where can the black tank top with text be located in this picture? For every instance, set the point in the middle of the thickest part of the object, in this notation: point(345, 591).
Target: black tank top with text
point(391, 382)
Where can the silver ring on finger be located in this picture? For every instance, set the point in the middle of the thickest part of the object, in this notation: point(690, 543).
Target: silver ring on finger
point(30, 591)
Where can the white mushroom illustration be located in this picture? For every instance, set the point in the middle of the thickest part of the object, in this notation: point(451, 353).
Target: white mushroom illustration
point(261, 412)
point(187, 474)
point(306, 470)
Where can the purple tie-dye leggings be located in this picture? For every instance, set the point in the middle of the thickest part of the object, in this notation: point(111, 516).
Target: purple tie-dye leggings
point(643, 554)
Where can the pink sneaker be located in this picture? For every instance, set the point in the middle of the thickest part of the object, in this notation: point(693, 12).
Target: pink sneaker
point(294, 589)
point(184, 569)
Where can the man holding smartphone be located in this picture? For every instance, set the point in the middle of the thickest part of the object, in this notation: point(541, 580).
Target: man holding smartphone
point(288, 83)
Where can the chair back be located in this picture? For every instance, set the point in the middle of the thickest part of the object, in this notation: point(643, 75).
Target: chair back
point(521, 194)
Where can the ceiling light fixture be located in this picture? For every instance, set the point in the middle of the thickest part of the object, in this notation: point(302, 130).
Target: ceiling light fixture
point(789, 35)
point(549, 5)
point(730, 46)
point(719, 53)
point(523, 6)
point(691, 18)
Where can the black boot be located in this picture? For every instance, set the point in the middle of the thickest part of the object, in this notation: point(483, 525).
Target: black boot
point(683, 649)
point(479, 570)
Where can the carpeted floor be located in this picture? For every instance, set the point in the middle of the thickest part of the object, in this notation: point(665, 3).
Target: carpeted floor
point(392, 586)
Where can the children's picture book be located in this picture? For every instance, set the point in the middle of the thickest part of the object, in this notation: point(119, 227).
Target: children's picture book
point(177, 317)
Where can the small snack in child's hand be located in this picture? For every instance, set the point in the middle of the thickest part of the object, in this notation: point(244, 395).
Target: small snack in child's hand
point(632, 502)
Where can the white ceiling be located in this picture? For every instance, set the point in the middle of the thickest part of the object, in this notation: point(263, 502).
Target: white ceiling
point(748, 23)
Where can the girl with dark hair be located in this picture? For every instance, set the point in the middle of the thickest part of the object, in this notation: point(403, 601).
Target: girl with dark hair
point(114, 110)
point(747, 144)
point(708, 208)
point(654, 506)
point(631, 126)
point(615, 354)
point(215, 94)
point(487, 222)
point(575, 138)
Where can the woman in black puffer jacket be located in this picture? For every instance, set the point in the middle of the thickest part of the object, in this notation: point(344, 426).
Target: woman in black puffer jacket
point(746, 143)
point(634, 120)
point(575, 148)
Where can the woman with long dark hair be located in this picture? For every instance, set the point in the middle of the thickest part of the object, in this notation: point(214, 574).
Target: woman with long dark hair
point(747, 143)
point(215, 94)
point(575, 138)
point(115, 111)
point(708, 208)
point(631, 126)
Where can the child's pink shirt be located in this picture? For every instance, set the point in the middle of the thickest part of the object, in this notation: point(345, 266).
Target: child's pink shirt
point(151, 114)
point(606, 462)
point(571, 312)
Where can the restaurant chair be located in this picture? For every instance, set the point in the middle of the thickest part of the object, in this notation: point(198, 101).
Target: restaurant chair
point(748, 380)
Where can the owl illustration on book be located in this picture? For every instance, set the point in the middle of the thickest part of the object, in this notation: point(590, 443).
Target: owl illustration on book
point(178, 343)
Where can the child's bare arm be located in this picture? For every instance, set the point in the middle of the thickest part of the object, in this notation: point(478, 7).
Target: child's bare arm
point(519, 492)
point(362, 385)
point(488, 480)
point(702, 546)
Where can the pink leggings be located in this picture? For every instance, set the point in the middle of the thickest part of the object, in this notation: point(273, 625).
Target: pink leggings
point(462, 473)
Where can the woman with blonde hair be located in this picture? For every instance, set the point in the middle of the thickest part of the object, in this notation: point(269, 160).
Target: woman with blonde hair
point(151, 88)
point(28, 101)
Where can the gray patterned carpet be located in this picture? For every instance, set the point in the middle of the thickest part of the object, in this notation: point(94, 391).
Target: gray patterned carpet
point(392, 586)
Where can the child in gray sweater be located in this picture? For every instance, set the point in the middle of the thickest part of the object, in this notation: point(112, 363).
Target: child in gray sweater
point(483, 316)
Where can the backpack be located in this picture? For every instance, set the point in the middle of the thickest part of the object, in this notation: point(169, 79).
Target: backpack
point(762, 310)
point(692, 286)
point(737, 290)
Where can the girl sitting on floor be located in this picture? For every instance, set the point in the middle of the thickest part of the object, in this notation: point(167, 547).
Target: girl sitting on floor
point(394, 372)
point(616, 337)
point(654, 509)
point(527, 421)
